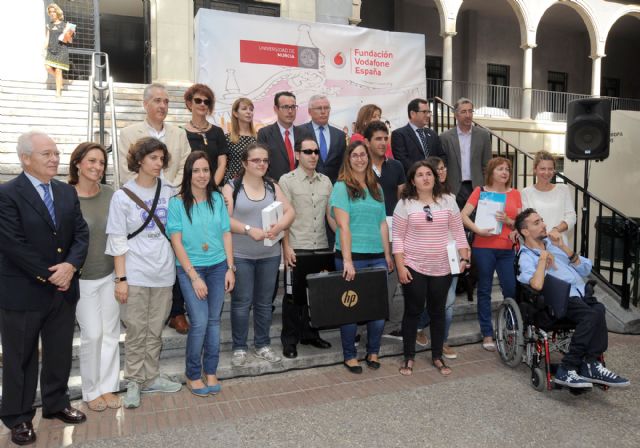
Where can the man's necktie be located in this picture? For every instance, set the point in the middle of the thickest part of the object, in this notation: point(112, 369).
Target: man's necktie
point(323, 144)
point(48, 202)
point(423, 139)
point(287, 144)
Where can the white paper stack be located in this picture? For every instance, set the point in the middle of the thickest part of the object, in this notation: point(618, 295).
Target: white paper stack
point(271, 214)
point(488, 205)
point(454, 258)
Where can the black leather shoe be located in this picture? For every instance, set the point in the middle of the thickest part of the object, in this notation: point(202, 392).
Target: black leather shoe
point(353, 369)
point(317, 342)
point(23, 434)
point(289, 351)
point(69, 415)
point(375, 365)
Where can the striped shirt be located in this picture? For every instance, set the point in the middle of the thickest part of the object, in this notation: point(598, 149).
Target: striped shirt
point(424, 243)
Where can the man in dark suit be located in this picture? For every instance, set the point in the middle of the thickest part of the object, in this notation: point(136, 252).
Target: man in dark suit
point(331, 141)
point(468, 150)
point(416, 141)
point(43, 244)
point(281, 136)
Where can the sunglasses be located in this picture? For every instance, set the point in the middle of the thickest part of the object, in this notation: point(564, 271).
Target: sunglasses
point(310, 151)
point(427, 210)
point(206, 102)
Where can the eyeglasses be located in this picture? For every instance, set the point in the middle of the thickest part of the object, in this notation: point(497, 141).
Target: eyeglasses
point(259, 161)
point(48, 154)
point(427, 210)
point(322, 108)
point(426, 112)
point(289, 108)
point(442, 168)
point(361, 156)
point(309, 151)
point(207, 102)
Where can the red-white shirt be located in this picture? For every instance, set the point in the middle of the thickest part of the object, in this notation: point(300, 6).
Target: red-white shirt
point(424, 243)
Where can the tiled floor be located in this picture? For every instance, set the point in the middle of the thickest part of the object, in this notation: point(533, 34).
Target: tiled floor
point(246, 397)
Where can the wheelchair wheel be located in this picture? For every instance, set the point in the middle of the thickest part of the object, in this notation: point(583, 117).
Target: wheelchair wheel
point(538, 379)
point(510, 337)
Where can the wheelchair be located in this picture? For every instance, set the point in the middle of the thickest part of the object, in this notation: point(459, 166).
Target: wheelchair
point(527, 332)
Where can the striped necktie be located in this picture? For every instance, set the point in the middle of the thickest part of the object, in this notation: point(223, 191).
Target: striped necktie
point(48, 202)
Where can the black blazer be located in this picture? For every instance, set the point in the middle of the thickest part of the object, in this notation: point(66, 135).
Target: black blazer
point(30, 244)
point(270, 136)
point(407, 149)
point(337, 147)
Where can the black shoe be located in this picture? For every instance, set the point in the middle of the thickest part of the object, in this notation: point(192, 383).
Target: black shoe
point(23, 434)
point(353, 369)
point(289, 351)
point(375, 365)
point(68, 415)
point(317, 342)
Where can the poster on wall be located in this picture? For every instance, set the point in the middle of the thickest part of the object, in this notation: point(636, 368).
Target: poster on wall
point(242, 55)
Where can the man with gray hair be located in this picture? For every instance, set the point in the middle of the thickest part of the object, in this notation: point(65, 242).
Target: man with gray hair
point(43, 244)
point(156, 104)
point(331, 140)
point(468, 149)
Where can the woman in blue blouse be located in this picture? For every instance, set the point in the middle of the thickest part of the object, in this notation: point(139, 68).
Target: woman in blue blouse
point(362, 240)
point(199, 228)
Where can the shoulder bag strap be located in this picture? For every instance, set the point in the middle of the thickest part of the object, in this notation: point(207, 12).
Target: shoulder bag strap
point(151, 213)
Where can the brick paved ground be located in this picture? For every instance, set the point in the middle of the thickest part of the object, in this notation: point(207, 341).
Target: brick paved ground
point(254, 397)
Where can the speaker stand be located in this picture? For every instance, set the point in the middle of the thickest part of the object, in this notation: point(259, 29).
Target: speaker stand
point(584, 232)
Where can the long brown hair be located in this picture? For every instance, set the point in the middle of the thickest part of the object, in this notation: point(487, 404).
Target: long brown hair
point(409, 190)
point(365, 115)
point(78, 154)
point(354, 189)
point(436, 161)
point(234, 135)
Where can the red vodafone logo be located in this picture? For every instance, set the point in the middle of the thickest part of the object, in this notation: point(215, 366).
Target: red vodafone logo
point(338, 60)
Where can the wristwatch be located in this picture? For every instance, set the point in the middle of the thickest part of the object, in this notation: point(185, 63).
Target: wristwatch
point(231, 267)
point(247, 227)
point(120, 279)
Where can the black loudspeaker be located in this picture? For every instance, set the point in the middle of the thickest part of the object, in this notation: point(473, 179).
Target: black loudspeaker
point(588, 129)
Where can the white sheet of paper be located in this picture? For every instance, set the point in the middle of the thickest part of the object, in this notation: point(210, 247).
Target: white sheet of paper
point(486, 215)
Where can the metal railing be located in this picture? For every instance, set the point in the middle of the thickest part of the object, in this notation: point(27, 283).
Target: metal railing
point(602, 232)
point(101, 91)
point(552, 106)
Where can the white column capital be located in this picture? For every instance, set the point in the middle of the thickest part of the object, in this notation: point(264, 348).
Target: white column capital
point(528, 46)
point(595, 56)
point(448, 34)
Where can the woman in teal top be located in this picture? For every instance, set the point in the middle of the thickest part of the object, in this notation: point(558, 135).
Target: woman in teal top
point(198, 225)
point(362, 240)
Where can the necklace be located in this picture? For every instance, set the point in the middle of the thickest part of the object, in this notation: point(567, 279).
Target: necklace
point(205, 224)
point(201, 128)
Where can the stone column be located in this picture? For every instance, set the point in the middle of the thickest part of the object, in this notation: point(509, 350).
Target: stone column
point(527, 81)
point(447, 66)
point(596, 74)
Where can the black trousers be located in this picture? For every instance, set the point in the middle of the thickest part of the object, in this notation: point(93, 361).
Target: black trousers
point(433, 290)
point(463, 193)
point(21, 331)
point(177, 304)
point(590, 338)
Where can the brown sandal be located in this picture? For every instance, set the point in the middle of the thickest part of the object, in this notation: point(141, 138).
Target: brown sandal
point(112, 400)
point(97, 405)
point(442, 367)
point(407, 367)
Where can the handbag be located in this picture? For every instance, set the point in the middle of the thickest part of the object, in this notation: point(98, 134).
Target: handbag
point(151, 214)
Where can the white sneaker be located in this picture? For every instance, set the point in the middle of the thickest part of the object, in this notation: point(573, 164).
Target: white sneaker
point(132, 397)
point(267, 354)
point(239, 358)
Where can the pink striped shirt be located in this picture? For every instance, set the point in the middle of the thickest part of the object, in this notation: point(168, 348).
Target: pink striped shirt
point(423, 243)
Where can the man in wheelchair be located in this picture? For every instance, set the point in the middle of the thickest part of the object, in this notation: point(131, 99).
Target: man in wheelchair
point(543, 255)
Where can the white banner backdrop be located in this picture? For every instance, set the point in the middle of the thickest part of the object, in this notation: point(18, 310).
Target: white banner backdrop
point(256, 57)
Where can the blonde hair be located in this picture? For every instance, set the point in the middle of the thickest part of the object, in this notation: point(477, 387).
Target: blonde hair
point(57, 9)
point(543, 155)
point(234, 135)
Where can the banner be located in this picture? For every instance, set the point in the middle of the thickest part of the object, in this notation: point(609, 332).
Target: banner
point(242, 55)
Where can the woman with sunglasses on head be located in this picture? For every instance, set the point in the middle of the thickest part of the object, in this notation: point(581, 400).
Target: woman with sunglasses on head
point(202, 135)
point(491, 252)
point(362, 240)
point(424, 221)
point(198, 225)
point(257, 264)
point(242, 134)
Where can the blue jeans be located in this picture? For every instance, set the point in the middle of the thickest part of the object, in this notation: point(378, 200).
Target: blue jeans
point(203, 340)
point(255, 283)
point(374, 327)
point(425, 319)
point(487, 261)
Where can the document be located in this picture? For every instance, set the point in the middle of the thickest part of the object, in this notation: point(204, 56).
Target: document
point(488, 205)
point(271, 214)
point(454, 257)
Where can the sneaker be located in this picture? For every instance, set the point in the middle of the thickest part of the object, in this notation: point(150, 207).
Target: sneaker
point(162, 384)
point(448, 352)
point(596, 372)
point(421, 338)
point(395, 334)
point(132, 397)
point(267, 354)
point(239, 358)
point(570, 378)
